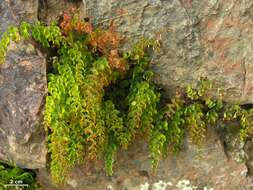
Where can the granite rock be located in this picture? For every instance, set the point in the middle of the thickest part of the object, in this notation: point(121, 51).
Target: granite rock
point(23, 87)
point(210, 38)
point(206, 166)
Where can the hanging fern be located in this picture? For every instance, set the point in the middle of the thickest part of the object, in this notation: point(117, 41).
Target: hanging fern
point(99, 101)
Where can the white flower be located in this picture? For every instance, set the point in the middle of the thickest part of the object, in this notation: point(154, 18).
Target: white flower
point(206, 188)
point(144, 186)
point(161, 185)
point(185, 185)
point(109, 187)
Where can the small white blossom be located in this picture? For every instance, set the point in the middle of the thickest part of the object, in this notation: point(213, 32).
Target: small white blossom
point(161, 185)
point(109, 187)
point(206, 188)
point(185, 185)
point(144, 186)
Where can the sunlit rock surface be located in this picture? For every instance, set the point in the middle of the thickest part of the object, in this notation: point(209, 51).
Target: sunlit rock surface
point(22, 93)
point(211, 38)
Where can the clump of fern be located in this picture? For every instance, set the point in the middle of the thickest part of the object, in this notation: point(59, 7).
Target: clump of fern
point(142, 99)
point(100, 100)
point(79, 120)
point(193, 111)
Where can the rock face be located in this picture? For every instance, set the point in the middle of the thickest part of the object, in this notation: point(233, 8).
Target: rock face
point(50, 10)
point(249, 156)
point(14, 11)
point(22, 92)
point(207, 166)
point(211, 38)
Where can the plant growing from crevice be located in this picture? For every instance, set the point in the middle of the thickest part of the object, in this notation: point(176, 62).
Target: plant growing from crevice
point(81, 117)
point(99, 100)
point(193, 111)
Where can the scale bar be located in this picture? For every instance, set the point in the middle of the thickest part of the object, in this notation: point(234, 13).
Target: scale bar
point(16, 185)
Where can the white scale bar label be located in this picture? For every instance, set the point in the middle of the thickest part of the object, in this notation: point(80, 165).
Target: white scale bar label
point(11, 185)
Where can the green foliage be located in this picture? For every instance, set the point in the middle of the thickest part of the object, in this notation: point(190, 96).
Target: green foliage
point(174, 114)
point(12, 34)
point(46, 35)
point(157, 143)
point(16, 176)
point(195, 123)
point(245, 117)
point(200, 110)
point(80, 119)
point(193, 112)
point(142, 101)
point(115, 135)
point(62, 116)
point(99, 102)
